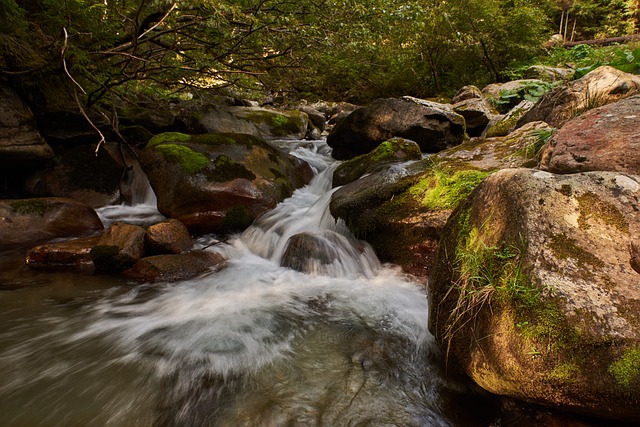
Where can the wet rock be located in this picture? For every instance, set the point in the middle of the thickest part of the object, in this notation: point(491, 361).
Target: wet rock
point(534, 293)
point(168, 237)
point(28, 221)
point(393, 150)
point(20, 141)
point(601, 86)
point(432, 126)
point(605, 138)
point(218, 183)
point(72, 254)
point(175, 267)
point(119, 247)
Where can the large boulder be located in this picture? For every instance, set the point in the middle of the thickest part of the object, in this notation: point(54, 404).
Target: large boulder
point(27, 221)
point(168, 237)
point(218, 183)
point(119, 247)
point(536, 290)
point(477, 113)
point(392, 151)
point(502, 125)
point(20, 141)
point(606, 139)
point(601, 86)
point(432, 126)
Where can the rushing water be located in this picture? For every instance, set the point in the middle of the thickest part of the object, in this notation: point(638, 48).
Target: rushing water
point(255, 344)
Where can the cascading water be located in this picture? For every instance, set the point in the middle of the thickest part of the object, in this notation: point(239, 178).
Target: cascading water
point(255, 344)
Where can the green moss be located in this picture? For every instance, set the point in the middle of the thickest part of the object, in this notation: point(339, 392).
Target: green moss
point(191, 161)
point(565, 247)
point(503, 126)
point(237, 218)
point(279, 121)
point(591, 206)
point(279, 124)
point(444, 189)
point(626, 370)
point(168, 137)
point(29, 206)
point(564, 373)
point(226, 170)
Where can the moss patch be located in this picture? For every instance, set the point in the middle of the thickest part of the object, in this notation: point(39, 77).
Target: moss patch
point(30, 207)
point(444, 188)
point(237, 218)
point(191, 161)
point(280, 125)
point(564, 373)
point(626, 370)
point(168, 137)
point(591, 206)
point(226, 170)
point(565, 247)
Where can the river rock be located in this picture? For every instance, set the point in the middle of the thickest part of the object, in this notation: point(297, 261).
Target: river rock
point(20, 141)
point(393, 150)
point(71, 254)
point(467, 92)
point(476, 112)
point(512, 91)
point(432, 126)
point(219, 183)
point(119, 247)
point(535, 294)
point(503, 125)
point(601, 86)
point(155, 120)
point(28, 221)
point(549, 74)
point(168, 237)
point(175, 267)
point(82, 174)
point(605, 138)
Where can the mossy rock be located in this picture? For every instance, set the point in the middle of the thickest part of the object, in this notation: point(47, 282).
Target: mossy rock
point(537, 300)
point(393, 150)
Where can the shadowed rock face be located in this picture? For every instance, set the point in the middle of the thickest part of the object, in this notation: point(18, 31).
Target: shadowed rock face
point(605, 138)
point(535, 294)
point(432, 126)
point(175, 267)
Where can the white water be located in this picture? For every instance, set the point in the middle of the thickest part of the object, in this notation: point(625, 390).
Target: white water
point(255, 344)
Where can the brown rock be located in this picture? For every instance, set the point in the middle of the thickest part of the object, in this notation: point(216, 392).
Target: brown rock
point(74, 254)
point(168, 237)
point(605, 139)
point(28, 221)
point(172, 268)
point(119, 247)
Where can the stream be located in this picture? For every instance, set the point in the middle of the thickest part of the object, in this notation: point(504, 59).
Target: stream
point(255, 344)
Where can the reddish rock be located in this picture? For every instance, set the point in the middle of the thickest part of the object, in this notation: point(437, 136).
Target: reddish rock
point(120, 247)
point(603, 139)
point(172, 268)
point(75, 254)
point(29, 221)
point(168, 237)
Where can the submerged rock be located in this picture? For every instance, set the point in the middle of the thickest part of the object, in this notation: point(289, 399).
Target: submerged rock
point(175, 267)
point(605, 138)
point(534, 292)
point(219, 183)
point(28, 221)
point(432, 126)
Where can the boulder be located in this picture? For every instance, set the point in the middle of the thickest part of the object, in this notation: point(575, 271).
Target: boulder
point(28, 221)
point(535, 293)
point(601, 86)
point(168, 237)
point(392, 151)
point(260, 122)
point(20, 141)
point(467, 92)
point(218, 183)
point(155, 120)
point(496, 90)
point(502, 125)
point(549, 74)
point(71, 254)
point(603, 139)
point(175, 267)
point(119, 247)
point(476, 112)
point(432, 126)
point(81, 174)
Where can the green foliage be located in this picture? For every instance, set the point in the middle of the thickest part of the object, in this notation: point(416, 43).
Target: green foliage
point(529, 90)
point(532, 150)
point(626, 370)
